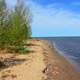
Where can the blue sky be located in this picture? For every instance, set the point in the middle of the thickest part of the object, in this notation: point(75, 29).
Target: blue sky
point(54, 17)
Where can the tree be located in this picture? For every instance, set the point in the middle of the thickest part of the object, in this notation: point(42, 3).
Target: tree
point(15, 27)
point(20, 23)
point(3, 22)
point(2, 12)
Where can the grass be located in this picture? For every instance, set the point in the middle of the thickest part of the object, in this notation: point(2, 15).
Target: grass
point(18, 49)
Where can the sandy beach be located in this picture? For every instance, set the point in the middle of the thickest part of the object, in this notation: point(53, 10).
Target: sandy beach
point(44, 63)
point(30, 69)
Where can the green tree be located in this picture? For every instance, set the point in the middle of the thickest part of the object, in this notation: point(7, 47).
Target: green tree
point(2, 12)
point(20, 22)
point(3, 22)
point(14, 25)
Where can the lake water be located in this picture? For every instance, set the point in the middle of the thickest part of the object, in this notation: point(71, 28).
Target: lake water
point(69, 47)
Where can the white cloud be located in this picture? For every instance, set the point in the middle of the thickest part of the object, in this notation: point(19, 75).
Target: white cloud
point(52, 19)
point(51, 15)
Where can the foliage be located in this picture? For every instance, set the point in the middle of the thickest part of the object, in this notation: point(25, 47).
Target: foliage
point(3, 22)
point(14, 25)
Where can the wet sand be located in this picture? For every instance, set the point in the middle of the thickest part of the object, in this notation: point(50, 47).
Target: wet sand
point(57, 67)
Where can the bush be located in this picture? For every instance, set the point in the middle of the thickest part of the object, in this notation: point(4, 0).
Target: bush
point(17, 49)
point(14, 26)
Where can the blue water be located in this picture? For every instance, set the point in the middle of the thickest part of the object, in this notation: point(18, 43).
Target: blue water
point(68, 47)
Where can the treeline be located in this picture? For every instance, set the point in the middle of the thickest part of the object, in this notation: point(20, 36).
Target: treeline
point(14, 26)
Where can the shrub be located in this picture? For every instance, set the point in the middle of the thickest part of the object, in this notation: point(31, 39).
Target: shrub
point(14, 26)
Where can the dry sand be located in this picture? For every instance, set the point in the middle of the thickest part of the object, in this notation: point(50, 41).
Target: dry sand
point(31, 69)
point(42, 64)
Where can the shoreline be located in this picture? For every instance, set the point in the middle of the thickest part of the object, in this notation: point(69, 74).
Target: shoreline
point(44, 63)
point(72, 62)
point(61, 68)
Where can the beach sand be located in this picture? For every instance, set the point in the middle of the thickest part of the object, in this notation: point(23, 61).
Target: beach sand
point(44, 63)
point(30, 69)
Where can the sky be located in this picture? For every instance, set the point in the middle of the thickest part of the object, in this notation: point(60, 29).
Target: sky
point(51, 18)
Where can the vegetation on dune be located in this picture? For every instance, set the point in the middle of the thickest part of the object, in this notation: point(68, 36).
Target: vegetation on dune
point(14, 26)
